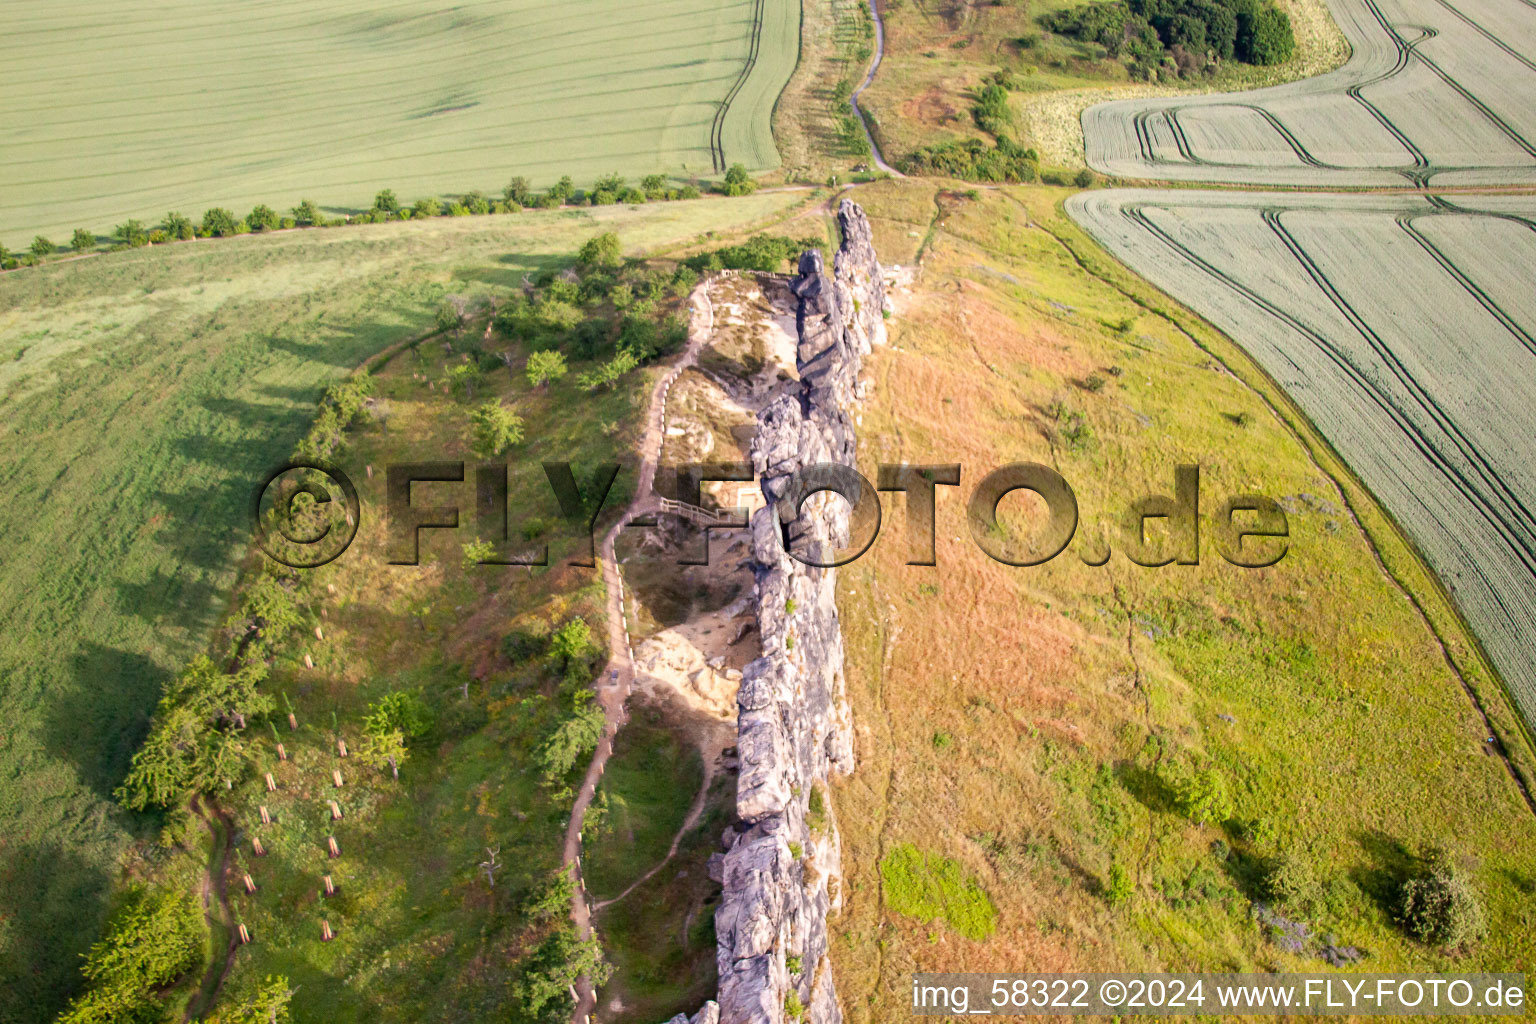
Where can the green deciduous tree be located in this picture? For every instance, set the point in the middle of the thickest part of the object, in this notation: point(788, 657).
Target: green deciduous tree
point(219, 223)
point(601, 252)
point(262, 218)
point(493, 429)
point(517, 191)
point(179, 226)
point(132, 233)
point(544, 367)
point(1201, 792)
point(607, 375)
point(1273, 41)
point(738, 182)
point(306, 214)
point(42, 247)
point(464, 378)
point(82, 240)
point(385, 202)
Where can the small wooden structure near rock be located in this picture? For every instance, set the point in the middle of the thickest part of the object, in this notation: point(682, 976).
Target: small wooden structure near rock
point(245, 936)
point(250, 883)
point(330, 842)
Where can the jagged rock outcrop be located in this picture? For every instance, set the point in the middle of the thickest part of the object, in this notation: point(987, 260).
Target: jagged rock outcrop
point(781, 872)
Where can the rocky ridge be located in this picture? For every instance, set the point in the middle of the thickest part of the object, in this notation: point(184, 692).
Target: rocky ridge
point(781, 869)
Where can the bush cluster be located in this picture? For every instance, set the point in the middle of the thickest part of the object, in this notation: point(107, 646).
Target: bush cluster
point(972, 159)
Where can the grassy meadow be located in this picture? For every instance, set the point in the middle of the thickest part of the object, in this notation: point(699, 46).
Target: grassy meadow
point(1022, 733)
point(142, 395)
point(190, 105)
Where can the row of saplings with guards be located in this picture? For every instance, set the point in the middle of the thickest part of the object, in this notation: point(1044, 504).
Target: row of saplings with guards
point(1430, 893)
point(518, 195)
point(206, 736)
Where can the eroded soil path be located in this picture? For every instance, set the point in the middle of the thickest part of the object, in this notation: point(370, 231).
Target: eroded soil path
point(617, 680)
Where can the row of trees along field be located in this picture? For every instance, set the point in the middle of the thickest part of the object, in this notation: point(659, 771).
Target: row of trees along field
point(1181, 38)
point(518, 195)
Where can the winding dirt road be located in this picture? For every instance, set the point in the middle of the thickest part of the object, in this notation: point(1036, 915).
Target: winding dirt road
point(853, 100)
point(618, 676)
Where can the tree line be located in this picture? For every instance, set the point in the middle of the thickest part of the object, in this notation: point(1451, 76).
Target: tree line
point(518, 195)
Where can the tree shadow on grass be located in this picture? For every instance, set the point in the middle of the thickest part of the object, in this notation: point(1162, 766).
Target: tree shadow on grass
point(99, 714)
point(1389, 864)
point(52, 903)
point(1148, 788)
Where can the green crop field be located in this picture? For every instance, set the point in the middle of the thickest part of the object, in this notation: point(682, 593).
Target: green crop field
point(185, 105)
point(141, 395)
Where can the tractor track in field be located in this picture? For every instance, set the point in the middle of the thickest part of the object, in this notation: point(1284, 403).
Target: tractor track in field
point(1522, 785)
point(1346, 365)
point(1409, 431)
point(717, 126)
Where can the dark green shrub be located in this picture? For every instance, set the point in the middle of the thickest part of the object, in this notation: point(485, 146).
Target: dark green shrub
point(1440, 906)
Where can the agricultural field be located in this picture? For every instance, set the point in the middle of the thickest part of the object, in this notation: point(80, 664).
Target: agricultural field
point(142, 394)
point(187, 106)
point(1436, 93)
point(1412, 363)
point(1027, 737)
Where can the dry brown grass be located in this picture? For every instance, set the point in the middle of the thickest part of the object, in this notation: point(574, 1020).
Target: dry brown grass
point(1349, 734)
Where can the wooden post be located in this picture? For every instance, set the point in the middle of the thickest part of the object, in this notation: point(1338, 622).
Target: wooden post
point(331, 842)
point(330, 886)
point(282, 754)
point(293, 720)
point(240, 719)
point(250, 883)
point(336, 777)
point(335, 811)
point(266, 819)
point(341, 747)
point(370, 471)
point(308, 661)
point(318, 634)
point(245, 936)
point(257, 848)
point(326, 935)
point(271, 783)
